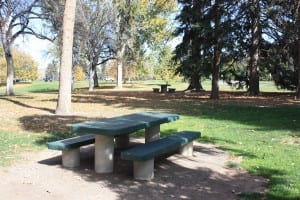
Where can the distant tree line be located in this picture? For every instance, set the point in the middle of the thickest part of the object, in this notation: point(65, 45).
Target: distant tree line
point(123, 30)
point(119, 30)
point(232, 40)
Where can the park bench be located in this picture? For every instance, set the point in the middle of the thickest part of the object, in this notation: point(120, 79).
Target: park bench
point(155, 90)
point(70, 148)
point(171, 90)
point(143, 155)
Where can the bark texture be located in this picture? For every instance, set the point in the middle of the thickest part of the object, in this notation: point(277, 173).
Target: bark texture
point(65, 73)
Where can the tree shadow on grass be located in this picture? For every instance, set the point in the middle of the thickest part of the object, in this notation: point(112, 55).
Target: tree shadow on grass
point(277, 181)
point(56, 127)
point(19, 103)
point(176, 177)
point(262, 112)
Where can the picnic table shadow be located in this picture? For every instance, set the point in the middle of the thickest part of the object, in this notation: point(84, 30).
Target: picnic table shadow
point(173, 179)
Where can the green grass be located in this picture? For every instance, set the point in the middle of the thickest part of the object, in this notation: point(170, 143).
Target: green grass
point(41, 86)
point(12, 144)
point(266, 137)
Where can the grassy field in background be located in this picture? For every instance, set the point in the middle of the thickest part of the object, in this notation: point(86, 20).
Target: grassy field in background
point(264, 132)
point(40, 86)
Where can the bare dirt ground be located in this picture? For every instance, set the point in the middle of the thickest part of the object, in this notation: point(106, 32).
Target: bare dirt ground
point(203, 176)
point(39, 175)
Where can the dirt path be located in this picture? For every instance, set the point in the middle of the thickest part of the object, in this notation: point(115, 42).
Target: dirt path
point(203, 176)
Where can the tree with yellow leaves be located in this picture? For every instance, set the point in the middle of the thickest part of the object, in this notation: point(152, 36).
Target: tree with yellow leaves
point(78, 73)
point(26, 68)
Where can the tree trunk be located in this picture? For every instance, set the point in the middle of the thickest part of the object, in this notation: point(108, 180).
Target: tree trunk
point(10, 71)
point(254, 51)
point(120, 60)
point(73, 80)
point(195, 84)
point(65, 73)
point(297, 96)
point(91, 77)
point(217, 55)
point(96, 82)
point(120, 75)
point(297, 66)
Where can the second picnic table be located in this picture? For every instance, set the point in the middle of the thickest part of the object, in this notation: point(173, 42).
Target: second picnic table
point(164, 88)
point(107, 130)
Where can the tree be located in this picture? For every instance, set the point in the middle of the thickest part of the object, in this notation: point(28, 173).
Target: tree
point(2, 66)
point(297, 58)
point(78, 73)
point(142, 26)
point(94, 38)
point(124, 38)
point(15, 18)
point(25, 66)
point(216, 50)
point(257, 32)
point(166, 70)
point(52, 71)
point(154, 34)
point(285, 65)
point(65, 73)
point(254, 47)
point(93, 33)
point(193, 54)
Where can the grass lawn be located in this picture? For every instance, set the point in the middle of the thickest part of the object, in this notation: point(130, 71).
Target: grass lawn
point(264, 132)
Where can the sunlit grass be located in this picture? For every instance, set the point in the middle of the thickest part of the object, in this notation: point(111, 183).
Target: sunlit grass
point(259, 136)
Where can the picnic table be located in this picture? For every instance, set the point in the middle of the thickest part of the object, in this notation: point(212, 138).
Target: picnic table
point(164, 88)
point(107, 130)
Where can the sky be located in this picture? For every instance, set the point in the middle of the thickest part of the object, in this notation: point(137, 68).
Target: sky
point(37, 48)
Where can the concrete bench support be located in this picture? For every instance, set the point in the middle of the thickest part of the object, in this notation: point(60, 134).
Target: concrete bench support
point(143, 170)
point(71, 158)
point(104, 151)
point(155, 90)
point(186, 150)
point(70, 148)
point(143, 155)
point(171, 90)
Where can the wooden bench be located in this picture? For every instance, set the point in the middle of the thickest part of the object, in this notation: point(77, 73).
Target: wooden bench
point(155, 90)
point(171, 90)
point(70, 148)
point(143, 155)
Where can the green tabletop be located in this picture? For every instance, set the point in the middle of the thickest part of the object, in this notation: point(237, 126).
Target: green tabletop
point(124, 124)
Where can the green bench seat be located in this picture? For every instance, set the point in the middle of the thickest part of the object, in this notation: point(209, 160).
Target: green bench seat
point(143, 155)
point(70, 148)
point(155, 90)
point(171, 90)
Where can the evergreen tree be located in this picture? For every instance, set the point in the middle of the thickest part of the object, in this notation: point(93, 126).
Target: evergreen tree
point(285, 47)
point(192, 54)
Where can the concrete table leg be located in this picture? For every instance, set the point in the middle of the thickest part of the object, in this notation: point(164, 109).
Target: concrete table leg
point(71, 158)
point(143, 170)
point(122, 142)
point(163, 88)
point(152, 133)
point(186, 150)
point(104, 154)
